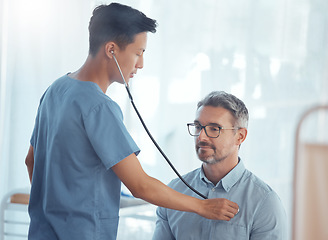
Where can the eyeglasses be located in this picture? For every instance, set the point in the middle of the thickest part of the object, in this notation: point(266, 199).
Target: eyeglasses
point(212, 131)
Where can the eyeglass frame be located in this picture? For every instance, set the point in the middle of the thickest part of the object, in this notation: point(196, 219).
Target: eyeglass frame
point(204, 127)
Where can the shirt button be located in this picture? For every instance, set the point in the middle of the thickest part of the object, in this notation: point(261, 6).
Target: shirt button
point(213, 189)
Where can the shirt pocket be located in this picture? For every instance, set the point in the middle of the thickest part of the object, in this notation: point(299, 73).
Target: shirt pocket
point(228, 231)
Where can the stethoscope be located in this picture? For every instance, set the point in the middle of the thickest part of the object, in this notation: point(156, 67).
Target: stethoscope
point(149, 134)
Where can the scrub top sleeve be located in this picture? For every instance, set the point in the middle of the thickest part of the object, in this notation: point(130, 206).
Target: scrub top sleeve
point(36, 124)
point(34, 133)
point(108, 134)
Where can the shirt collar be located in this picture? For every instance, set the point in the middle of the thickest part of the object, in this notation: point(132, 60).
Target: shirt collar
point(230, 179)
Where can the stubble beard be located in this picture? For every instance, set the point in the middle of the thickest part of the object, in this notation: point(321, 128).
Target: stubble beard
point(210, 159)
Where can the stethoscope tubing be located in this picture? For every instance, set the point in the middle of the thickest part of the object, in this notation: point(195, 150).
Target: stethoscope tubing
point(151, 137)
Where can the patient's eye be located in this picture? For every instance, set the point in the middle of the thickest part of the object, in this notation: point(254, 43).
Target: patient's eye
point(197, 126)
point(213, 129)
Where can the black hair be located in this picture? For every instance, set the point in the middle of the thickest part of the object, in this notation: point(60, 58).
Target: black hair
point(118, 23)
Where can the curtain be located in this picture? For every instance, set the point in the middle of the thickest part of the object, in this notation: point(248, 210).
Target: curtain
point(271, 54)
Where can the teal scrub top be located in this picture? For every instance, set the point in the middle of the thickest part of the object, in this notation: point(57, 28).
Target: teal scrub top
point(78, 136)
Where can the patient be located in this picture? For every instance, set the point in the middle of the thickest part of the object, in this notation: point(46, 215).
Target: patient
point(219, 129)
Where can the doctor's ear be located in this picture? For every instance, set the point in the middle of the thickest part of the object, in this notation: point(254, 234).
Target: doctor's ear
point(109, 49)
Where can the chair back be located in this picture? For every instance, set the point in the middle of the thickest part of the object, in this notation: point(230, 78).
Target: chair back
point(14, 220)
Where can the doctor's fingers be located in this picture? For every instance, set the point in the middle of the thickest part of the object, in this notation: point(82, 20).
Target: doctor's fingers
point(228, 208)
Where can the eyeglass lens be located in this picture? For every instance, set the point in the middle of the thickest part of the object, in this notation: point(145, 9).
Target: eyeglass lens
point(211, 131)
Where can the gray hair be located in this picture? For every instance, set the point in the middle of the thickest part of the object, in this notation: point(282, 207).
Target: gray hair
point(227, 101)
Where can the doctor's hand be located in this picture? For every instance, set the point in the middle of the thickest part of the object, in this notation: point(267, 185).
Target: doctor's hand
point(218, 209)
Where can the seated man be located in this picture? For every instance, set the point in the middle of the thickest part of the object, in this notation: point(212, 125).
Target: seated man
point(219, 129)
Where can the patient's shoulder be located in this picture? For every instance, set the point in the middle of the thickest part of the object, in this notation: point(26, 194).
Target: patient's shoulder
point(190, 177)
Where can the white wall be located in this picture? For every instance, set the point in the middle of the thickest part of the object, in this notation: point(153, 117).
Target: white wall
point(271, 54)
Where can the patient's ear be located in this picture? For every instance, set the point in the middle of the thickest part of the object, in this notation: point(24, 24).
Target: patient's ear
point(241, 135)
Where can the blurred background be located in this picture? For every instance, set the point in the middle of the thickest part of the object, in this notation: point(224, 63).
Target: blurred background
point(272, 54)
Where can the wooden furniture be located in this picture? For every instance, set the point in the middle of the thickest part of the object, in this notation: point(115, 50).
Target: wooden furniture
point(14, 220)
point(310, 186)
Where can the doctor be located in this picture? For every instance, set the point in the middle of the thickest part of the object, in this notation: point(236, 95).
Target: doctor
point(80, 149)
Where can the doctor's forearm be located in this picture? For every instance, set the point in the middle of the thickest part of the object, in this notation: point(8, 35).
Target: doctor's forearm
point(152, 190)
